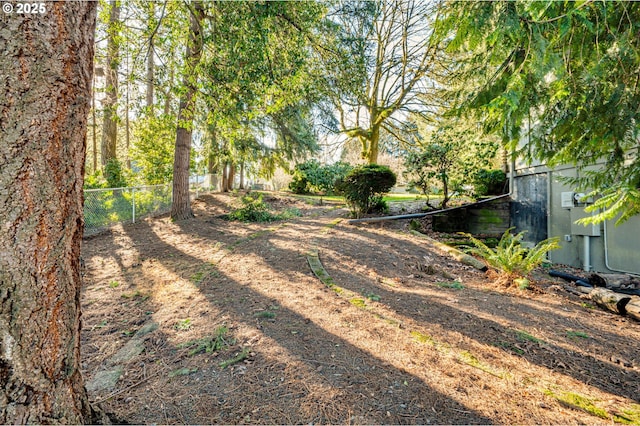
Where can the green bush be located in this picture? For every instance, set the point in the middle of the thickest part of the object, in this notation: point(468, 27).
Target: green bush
point(489, 182)
point(364, 187)
point(114, 174)
point(299, 183)
point(510, 260)
point(95, 180)
point(254, 209)
point(310, 176)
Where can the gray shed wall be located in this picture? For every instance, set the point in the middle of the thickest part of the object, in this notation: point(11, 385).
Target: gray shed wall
point(621, 253)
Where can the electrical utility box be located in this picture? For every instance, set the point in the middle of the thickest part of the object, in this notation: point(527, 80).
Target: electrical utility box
point(566, 200)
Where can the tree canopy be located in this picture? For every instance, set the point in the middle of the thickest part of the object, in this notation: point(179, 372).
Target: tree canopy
point(379, 66)
point(567, 74)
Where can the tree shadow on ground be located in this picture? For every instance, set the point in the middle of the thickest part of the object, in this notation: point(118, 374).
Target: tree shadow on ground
point(311, 375)
point(576, 362)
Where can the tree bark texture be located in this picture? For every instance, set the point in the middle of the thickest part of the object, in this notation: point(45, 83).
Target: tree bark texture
point(614, 281)
point(374, 145)
point(615, 302)
point(110, 111)
point(231, 177)
point(225, 177)
point(45, 91)
point(94, 125)
point(181, 204)
point(633, 307)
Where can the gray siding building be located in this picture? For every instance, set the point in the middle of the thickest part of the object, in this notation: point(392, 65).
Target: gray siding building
point(547, 207)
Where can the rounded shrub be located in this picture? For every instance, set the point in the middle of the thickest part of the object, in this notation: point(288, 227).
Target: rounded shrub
point(299, 183)
point(364, 186)
point(489, 182)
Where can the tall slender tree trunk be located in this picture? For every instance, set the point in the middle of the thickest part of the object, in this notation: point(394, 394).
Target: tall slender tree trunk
point(127, 129)
point(181, 205)
point(110, 112)
point(212, 161)
point(150, 63)
point(225, 177)
point(242, 175)
point(45, 99)
point(167, 98)
point(231, 177)
point(94, 125)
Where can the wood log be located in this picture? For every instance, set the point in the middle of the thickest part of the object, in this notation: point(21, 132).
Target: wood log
point(614, 281)
point(583, 289)
point(578, 291)
point(633, 307)
point(615, 302)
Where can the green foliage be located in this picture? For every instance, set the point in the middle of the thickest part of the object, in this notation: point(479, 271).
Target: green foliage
point(254, 209)
point(447, 157)
point(364, 186)
point(114, 174)
point(153, 148)
point(104, 208)
point(418, 169)
point(311, 176)
point(183, 325)
point(423, 338)
point(489, 182)
point(563, 72)
point(510, 259)
point(236, 359)
point(265, 314)
point(95, 180)
point(209, 344)
point(299, 183)
point(184, 371)
point(257, 78)
point(577, 334)
point(455, 285)
point(525, 336)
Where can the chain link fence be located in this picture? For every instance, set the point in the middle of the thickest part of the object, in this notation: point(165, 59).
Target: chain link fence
point(106, 207)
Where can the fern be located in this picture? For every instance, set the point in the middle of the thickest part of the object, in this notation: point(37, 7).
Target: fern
point(510, 259)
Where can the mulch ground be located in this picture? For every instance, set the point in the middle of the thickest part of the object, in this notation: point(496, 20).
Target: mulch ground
point(246, 333)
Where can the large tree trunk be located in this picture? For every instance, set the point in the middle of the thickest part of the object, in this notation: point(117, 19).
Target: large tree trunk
point(110, 123)
point(374, 145)
point(225, 177)
point(231, 177)
point(181, 205)
point(46, 65)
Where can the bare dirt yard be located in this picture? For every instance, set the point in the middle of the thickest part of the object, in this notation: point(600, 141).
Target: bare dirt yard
point(210, 321)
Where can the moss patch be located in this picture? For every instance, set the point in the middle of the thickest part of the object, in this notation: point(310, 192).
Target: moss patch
point(422, 338)
point(578, 402)
point(358, 303)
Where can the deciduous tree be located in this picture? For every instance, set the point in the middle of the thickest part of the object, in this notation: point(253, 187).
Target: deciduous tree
point(380, 65)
